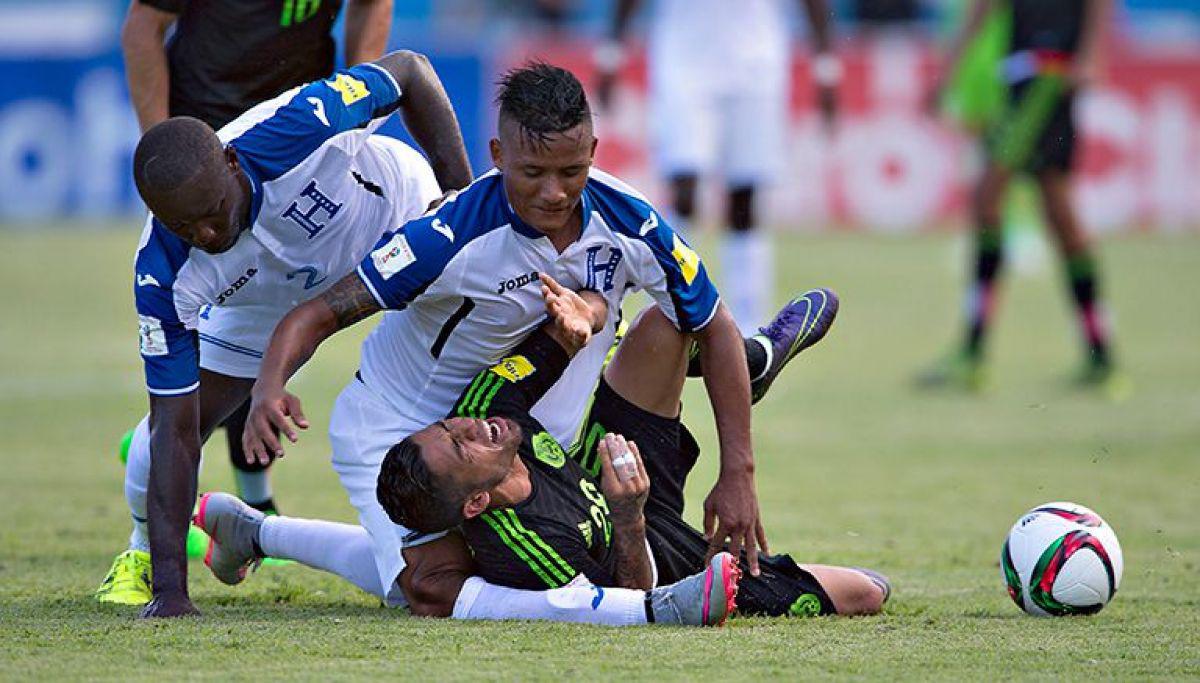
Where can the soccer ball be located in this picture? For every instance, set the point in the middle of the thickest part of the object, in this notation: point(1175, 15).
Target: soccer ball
point(1061, 558)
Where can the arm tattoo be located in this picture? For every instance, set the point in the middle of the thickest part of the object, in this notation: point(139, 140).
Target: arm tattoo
point(350, 301)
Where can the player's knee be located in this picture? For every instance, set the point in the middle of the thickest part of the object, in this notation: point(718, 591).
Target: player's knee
point(432, 595)
point(859, 597)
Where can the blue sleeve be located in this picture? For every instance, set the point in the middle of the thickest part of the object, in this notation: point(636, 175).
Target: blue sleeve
point(406, 261)
point(347, 100)
point(169, 350)
point(693, 293)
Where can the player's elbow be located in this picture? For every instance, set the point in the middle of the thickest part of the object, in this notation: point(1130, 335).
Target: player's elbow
point(406, 66)
point(144, 27)
point(430, 595)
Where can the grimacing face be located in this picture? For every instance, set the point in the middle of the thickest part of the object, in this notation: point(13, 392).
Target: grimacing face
point(544, 182)
point(209, 211)
point(475, 454)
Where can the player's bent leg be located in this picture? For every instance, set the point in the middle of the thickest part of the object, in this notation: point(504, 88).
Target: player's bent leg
point(854, 592)
point(253, 479)
point(434, 574)
point(650, 365)
point(128, 581)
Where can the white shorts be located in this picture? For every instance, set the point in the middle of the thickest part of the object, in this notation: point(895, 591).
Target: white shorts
point(701, 126)
point(362, 428)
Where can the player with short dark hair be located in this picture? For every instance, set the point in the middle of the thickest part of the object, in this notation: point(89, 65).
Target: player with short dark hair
point(1052, 54)
point(536, 517)
point(245, 223)
point(459, 288)
point(212, 60)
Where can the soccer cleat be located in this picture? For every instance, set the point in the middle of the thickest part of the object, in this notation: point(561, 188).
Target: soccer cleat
point(957, 371)
point(232, 527)
point(704, 599)
point(803, 322)
point(1106, 379)
point(128, 581)
point(123, 449)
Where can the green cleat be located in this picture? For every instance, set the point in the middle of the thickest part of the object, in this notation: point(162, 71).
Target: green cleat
point(123, 449)
point(958, 371)
point(128, 581)
point(1105, 379)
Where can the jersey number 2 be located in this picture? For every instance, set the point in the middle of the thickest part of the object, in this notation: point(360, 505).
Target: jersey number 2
point(452, 322)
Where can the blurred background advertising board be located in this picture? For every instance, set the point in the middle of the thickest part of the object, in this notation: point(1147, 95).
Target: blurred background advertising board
point(67, 130)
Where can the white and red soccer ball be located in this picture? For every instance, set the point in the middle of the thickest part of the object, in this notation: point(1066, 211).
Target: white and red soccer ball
point(1060, 559)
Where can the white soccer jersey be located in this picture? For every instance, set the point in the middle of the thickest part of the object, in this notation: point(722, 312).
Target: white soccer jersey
point(462, 283)
point(719, 40)
point(322, 193)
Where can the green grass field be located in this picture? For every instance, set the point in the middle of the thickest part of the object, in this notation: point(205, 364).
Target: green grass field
point(854, 468)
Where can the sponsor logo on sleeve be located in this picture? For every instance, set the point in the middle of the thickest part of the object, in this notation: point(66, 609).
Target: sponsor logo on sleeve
point(687, 260)
point(393, 257)
point(350, 88)
point(514, 368)
point(152, 337)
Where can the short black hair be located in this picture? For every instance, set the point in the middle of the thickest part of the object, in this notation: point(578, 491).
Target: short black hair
point(171, 153)
point(412, 496)
point(542, 99)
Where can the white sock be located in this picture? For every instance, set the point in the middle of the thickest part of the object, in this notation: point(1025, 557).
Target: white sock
point(341, 549)
point(137, 480)
point(253, 487)
point(748, 277)
point(578, 602)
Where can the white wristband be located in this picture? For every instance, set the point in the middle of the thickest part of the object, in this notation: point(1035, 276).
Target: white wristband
point(827, 69)
point(609, 56)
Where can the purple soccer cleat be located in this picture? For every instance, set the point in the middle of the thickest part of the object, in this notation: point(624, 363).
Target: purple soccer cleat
point(801, 323)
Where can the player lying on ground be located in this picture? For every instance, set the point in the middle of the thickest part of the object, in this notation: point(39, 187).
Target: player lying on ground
point(460, 290)
point(245, 224)
point(703, 599)
point(242, 534)
point(537, 517)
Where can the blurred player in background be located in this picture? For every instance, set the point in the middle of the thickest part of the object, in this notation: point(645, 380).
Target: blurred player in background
point(245, 224)
point(719, 80)
point(223, 57)
point(1053, 51)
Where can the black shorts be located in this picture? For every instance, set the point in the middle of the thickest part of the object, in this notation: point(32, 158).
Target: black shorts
point(1037, 130)
point(670, 451)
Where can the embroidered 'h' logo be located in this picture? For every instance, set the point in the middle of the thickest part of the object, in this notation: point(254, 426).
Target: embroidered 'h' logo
point(307, 219)
point(608, 269)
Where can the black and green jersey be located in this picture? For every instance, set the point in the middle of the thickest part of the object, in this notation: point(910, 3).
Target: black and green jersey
point(563, 528)
point(226, 56)
point(1047, 25)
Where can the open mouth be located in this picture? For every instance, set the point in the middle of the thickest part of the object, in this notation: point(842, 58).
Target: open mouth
point(493, 431)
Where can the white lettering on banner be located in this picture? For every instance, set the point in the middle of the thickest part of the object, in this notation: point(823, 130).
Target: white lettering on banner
point(36, 160)
point(54, 161)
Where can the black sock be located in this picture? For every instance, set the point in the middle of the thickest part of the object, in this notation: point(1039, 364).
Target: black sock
point(989, 257)
point(1081, 275)
point(649, 609)
point(266, 506)
point(756, 360)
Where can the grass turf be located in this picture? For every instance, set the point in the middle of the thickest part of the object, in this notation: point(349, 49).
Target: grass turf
point(855, 467)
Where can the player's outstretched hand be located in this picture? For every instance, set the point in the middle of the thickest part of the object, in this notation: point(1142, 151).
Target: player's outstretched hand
point(574, 314)
point(271, 412)
point(623, 478)
point(731, 514)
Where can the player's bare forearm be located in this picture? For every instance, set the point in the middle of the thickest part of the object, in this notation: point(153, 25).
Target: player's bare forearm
point(974, 22)
point(727, 381)
point(145, 55)
point(429, 117)
point(622, 15)
point(368, 25)
point(174, 459)
point(820, 18)
point(1097, 15)
point(633, 557)
point(301, 331)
